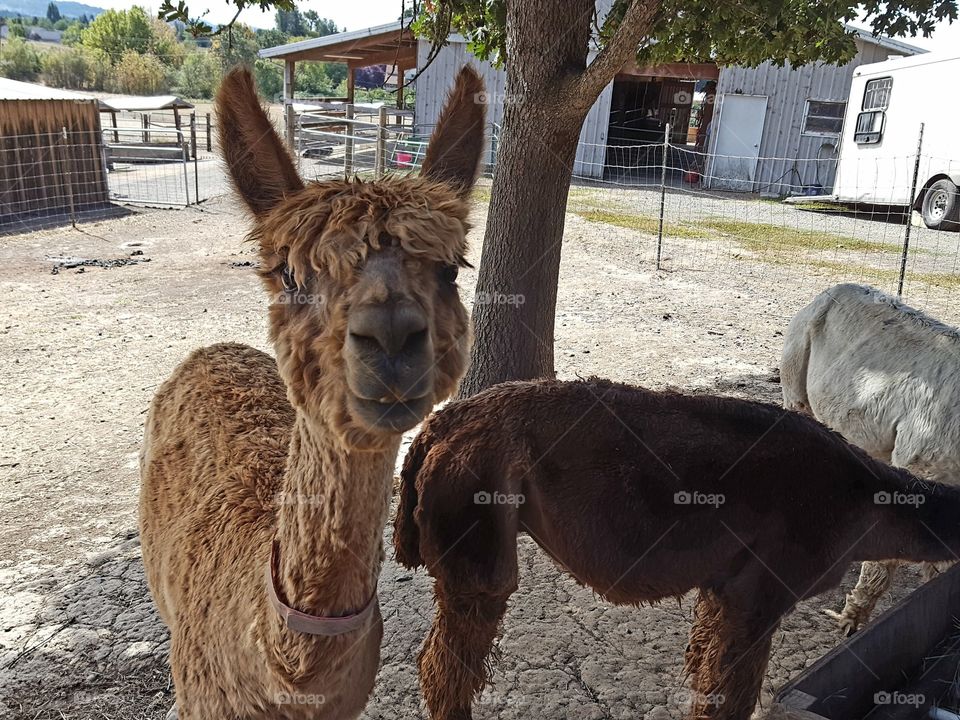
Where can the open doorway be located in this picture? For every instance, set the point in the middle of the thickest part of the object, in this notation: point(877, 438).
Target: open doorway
point(641, 107)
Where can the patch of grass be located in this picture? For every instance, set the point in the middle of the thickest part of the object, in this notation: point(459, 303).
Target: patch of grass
point(642, 223)
point(764, 238)
point(946, 281)
point(481, 194)
point(821, 206)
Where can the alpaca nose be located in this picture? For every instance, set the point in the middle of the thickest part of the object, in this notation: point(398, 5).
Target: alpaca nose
point(394, 330)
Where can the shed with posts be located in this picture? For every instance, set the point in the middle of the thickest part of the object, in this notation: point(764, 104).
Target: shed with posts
point(393, 45)
point(768, 129)
point(51, 152)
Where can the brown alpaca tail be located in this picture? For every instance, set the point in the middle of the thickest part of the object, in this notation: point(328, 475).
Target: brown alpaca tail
point(406, 534)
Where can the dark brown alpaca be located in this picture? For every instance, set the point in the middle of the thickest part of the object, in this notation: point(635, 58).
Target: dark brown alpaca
point(642, 496)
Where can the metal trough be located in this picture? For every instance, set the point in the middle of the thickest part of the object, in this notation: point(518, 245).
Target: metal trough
point(895, 668)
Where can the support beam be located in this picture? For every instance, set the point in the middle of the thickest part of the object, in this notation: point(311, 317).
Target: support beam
point(290, 117)
point(350, 82)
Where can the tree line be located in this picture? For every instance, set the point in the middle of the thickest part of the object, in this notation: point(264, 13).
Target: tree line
point(132, 52)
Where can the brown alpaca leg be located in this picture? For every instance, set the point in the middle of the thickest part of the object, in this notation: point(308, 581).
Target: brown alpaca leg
point(454, 663)
point(728, 652)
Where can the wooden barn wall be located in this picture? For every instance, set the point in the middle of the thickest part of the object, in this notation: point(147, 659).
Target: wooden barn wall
point(40, 171)
point(787, 90)
point(436, 81)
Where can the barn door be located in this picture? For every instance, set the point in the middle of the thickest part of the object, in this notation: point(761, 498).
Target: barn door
point(736, 149)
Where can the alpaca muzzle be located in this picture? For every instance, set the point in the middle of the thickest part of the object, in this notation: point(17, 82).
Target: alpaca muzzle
point(301, 622)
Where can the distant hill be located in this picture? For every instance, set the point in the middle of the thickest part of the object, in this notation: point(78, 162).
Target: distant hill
point(38, 8)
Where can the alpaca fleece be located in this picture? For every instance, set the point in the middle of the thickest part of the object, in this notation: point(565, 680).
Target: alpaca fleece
point(642, 496)
point(241, 450)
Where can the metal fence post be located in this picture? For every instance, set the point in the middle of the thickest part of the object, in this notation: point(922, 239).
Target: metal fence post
point(663, 191)
point(68, 165)
point(186, 159)
point(193, 135)
point(906, 232)
point(381, 160)
point(348, 141)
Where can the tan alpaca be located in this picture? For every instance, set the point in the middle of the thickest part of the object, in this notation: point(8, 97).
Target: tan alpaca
point(243, 454)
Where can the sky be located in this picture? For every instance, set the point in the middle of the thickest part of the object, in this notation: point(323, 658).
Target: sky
point(358, 14)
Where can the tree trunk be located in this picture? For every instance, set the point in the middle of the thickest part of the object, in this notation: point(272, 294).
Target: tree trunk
point(513, 314)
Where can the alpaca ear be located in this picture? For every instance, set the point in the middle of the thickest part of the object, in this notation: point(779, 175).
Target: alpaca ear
point(453, 155)
point(260, 166)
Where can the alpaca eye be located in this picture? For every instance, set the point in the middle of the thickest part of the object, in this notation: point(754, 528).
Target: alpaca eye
point(448, 273)
point(288, 279)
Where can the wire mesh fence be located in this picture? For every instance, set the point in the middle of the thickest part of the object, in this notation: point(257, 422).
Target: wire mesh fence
point(683, 214)
point(674, 208)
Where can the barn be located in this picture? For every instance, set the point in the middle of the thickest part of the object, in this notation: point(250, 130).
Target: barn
point(51, 152)
point(778, 128)
point(770, 130)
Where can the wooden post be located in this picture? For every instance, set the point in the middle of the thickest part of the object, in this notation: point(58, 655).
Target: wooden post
point(145, 122)
point(400, 89)
point(209, 138)
point(381, 157)
point(348, 142)
point(290, 117)
point(176, 119)
point(351, 79)
point(116, 136)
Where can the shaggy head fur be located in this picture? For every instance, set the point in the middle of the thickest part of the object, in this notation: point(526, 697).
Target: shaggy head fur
point(317, 243)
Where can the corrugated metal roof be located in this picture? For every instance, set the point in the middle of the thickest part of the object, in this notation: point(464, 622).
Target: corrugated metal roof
point(16, 90)
point(136, 103)
point(889, 43)
point(328, 40)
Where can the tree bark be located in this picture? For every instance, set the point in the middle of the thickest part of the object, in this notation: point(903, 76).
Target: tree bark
point(549, 92)
point(515, 303)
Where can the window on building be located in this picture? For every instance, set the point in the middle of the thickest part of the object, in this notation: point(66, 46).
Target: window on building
point(870, 122)
point(876, 96)
point(824, 117)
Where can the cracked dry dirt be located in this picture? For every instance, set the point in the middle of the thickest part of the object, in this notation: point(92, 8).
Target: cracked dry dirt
point(81, 355)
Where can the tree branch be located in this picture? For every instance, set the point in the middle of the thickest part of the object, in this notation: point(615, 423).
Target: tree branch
point(636, 25)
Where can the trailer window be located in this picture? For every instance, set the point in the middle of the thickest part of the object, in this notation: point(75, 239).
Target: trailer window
point(824, 117)
point(876, 96)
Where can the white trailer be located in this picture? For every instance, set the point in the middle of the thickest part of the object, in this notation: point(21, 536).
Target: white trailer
point(889, 101)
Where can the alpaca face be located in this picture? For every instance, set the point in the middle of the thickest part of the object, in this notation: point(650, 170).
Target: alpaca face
point(366, 319)
point(366, 315)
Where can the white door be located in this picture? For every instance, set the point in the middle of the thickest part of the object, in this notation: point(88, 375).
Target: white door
point(736, 149)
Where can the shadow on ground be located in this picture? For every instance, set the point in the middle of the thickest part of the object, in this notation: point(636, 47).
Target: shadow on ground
point(84, 641)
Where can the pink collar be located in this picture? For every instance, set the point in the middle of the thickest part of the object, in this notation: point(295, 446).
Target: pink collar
point(313, 624)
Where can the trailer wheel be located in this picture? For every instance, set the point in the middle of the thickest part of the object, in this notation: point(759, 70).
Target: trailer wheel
point(941, 206)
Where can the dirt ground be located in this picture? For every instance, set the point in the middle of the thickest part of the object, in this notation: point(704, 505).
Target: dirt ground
point(82, 351)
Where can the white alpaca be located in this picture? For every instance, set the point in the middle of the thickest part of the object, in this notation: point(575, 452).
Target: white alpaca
point(887, 377)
